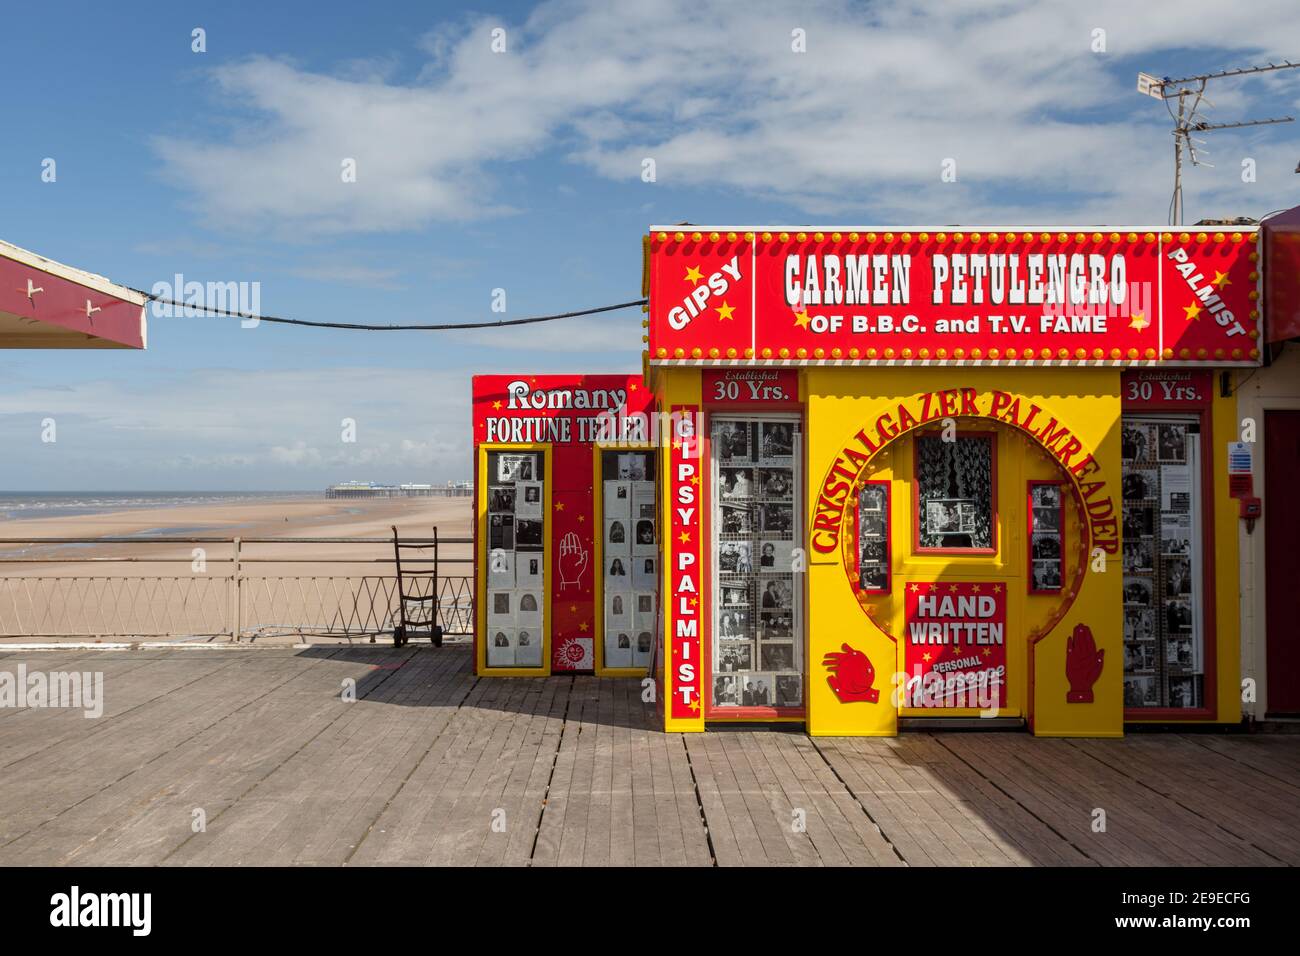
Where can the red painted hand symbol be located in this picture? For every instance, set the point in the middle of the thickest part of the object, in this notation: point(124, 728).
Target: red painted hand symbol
point(851, 675)
point(573, 560)
point(1083, 663)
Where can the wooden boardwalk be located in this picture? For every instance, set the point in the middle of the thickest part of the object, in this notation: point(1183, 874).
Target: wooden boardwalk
point(431, 765)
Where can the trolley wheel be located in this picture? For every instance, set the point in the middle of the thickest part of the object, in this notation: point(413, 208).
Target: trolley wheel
point(399, 636)
point(436, 636)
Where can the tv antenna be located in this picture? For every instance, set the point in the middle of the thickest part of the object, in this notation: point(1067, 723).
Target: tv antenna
point(1188, 119)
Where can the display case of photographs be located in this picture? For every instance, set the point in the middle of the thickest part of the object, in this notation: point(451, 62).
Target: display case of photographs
point(873, 537)
point(516, 559)
point(1163, 637)
point(629, 553)
point(955, 486)
point(756, 651)
point(1046, 503)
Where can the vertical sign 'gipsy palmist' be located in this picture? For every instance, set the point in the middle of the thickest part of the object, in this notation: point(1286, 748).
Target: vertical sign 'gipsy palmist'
point(686, 605)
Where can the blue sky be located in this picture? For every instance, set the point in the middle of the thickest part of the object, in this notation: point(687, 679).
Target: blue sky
point(522, 170)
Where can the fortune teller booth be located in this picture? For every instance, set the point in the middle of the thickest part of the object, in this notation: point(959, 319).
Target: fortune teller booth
point(870, 478)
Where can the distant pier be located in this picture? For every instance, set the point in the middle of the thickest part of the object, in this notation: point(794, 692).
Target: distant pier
point(368, 489)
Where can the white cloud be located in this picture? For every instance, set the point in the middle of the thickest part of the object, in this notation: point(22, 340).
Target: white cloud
point(861, 122)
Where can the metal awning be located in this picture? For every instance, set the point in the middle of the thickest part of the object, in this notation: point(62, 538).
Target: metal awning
point(47, 305)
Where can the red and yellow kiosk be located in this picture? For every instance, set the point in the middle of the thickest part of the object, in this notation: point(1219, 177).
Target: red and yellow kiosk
point(883, 476)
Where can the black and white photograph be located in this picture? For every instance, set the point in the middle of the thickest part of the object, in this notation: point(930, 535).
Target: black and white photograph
point(775, 625)
point(735, 557)
point(1135, 442)
point(735, 519)
point(1138, 522)
point(1137, 591)
point(645, 603)
point(529, 609)
point(528, 534)
point(501, 499)
point(644, 572)
point(731, 440)
point(777, 594)
point(724, 690)
point(1178, 576)
point(735, 483)
point(616, 535)
point(1138, 556)
point(776, 440)
point(528, 648)
point(1176, 534)
point(1046, 496)
point(733, 595)
point(528, 499)
point(1047, 575)
point(618, 648)
point(776, 518)
point(776, 483)
point(1171, 443)
point(1140, 692)
point(501, 569)
point(736, 656)
point(529, 569)
point(789, 690)
point(632, 467)
point(776, 657)
point(501, 648)
point(512, 468)
point(501, 607)
point(1139, 624)
point(872, 498)
point(873, 576)
point(1139, 657)
point(775, 555)
point(1046, 546)
point(1178, 616)
point(1047, 520)
point(1140, 485)
point(645, 535)
point(955, 492)
point(501, 532)
point(873, 551)
point(618, 499)
point(1178, 652)
point(756, 690)
point(947, 517)
point(616, 573)
point(733, 622)
point(871, 524)
point(1183, 692)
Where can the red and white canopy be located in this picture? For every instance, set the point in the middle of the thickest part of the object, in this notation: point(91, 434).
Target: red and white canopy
point(47, 305)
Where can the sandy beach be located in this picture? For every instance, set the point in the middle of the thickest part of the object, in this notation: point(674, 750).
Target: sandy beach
point(146, 587)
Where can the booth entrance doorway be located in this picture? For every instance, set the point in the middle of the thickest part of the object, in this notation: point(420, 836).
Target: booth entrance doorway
point(756, 652)
point(1281, 565)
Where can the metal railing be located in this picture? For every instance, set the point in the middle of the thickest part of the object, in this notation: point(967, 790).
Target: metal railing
point(45, 591)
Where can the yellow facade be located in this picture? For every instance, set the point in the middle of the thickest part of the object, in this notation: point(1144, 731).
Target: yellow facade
point(1072, 436)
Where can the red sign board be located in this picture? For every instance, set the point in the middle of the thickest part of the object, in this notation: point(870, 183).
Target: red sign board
point(955, 645)
point(686, 574)
point(1055, 297)
point(571, 414)
point(750, 386)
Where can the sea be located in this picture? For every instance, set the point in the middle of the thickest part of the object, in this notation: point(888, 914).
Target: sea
point(23, 505)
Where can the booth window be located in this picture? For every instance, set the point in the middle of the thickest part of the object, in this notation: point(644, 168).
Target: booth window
point(1164, 655)
point(873, 537)
point(516, 558)
point(1046, 536)
point(954, 493)
point(630, 557)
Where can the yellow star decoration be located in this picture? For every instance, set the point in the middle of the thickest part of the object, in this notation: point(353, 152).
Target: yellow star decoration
point(997, 589)
point(694, 706)
point(632, 386)
point(695, 602)
point(914, 587)
point(559, 506)
point(693, 274)
point(582, 626)
point(975, 589)
point(988, 652)
point(724, 310)
point(801, 319)
point(677, 443)
point(497, 404)
point(684, 537)
point(926, 657)
point(1193, 311)
point(1220, 279)
point(582, 518)
point(695, 480)
point(1138, 321)
point(952, 588)
point(573, 608)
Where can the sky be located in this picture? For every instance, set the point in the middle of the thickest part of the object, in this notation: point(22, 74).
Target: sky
point(523, 170)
